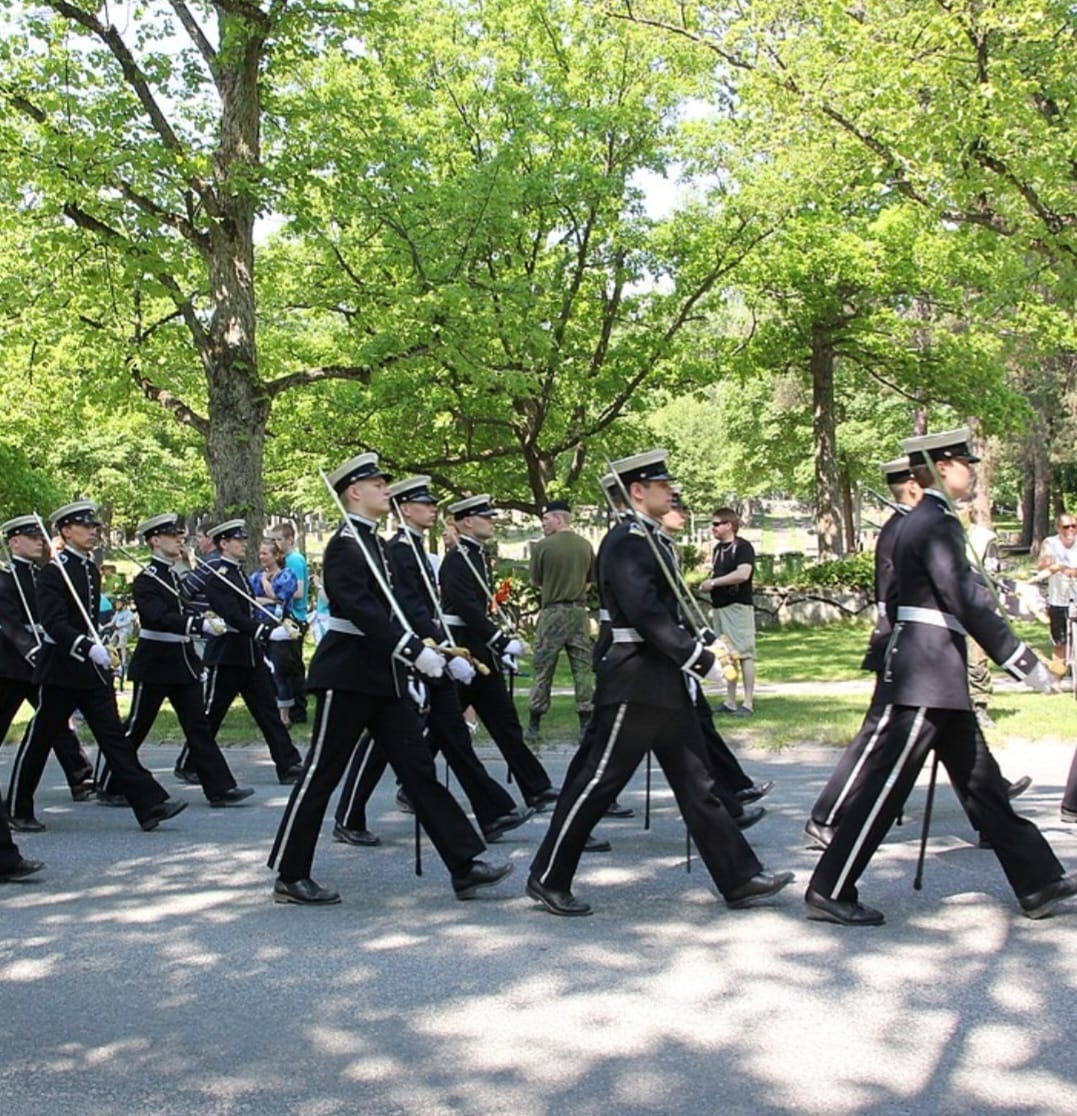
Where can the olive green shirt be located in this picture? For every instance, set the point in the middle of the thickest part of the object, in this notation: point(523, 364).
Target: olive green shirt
point(562, 566)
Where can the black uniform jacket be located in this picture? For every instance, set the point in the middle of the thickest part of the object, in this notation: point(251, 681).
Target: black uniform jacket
point(884, 585)
point(410, 587)
point(242, 644)
point(463, 596)
point(65, 657)
point(935, 600)
point(372, 659)
point(165, 654)
point(651, 651)
point(19, 646)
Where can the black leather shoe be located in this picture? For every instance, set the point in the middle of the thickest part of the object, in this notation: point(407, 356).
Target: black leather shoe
point(361, 837)
point(616, 810)
point(162, 812)
point(1068, 815)
point(1018, 787)
point(507, 822)
point(557, 902)
point(20, 869)
point(231, 797)
point(747, 818)
point(479, 875)
point(761, 886)
point(543, 800)
point(822, 909)
point(819, 836)
point(189, 777)
point(110, 798)
point(304, 892)
point(595, 845)
point(755, 792)
point(82, 792)
point(291, 775)
point(1043, 902)
point(27, 825)
point(403, 803)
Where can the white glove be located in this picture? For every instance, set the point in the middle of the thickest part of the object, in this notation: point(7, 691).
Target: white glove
point(213, 626)
point(513, 648)
point(430, 663)
point(1040, 679)
point(280, 633)
point(461, 670)
point(99, 656)
point(510, 662)
point(418, 693)
point(715, 673)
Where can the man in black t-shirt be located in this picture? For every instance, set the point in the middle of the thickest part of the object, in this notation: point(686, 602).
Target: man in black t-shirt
point(730, 587)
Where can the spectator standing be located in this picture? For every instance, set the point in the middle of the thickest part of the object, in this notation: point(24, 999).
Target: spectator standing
point(1059, 556)
point(295, 561)
point(273, 585)
point(730, 588)
point(562, 569)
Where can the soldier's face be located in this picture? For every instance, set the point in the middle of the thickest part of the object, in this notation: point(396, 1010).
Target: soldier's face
point(233, 548)
point(31, 547)
point(653, 498)
point(82, 535)
point(479, 527)
point(958, 476)
point(371, 497)
point(420, 516)
point(167, 546)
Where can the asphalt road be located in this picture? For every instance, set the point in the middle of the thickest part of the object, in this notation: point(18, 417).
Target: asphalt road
point(151, 972)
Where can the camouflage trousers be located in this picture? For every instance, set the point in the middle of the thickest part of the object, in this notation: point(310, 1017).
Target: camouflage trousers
point(561, 627)
point(981, 683)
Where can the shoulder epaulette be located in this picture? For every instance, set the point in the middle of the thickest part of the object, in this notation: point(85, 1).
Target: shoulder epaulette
point(635, 528)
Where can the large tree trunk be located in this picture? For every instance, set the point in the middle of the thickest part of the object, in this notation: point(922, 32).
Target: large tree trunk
point(824, 440)
point(239, 406)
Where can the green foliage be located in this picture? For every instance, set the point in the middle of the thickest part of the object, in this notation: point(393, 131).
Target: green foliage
point(854, 572)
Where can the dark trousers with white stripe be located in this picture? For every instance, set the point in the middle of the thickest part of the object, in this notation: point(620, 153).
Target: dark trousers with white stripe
point(1069, 796)
point(848, 773)
point(622, 736)
point(186, 699)
point(447, 732)
point(489, 697)
point(10, 857)
point(340, 717)
point(98, 706)
point(68, 750)
point(255, 685)
point(889, 772)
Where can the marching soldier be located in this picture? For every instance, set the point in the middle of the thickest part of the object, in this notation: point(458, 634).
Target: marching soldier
point(414, 584)
point(165, 664)
point(74, 671)
point(466, 596)
point(934, 604)
point(359, 674)
point(21, 643)
point(641, 703)
point(236, 659)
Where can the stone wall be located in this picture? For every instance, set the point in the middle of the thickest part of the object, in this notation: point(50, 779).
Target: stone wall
point(775, 606)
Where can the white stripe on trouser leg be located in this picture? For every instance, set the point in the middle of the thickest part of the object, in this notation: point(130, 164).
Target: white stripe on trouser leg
point(24, 748)
point(358, 776)
point(599, 771)
point(876, 736)
point(888, 786)
point(136, 702)
point(211, 690)
point(304, 780)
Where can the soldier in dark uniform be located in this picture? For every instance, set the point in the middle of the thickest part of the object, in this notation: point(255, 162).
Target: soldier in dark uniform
point(641, 703)
point(165, 664)
point(359, 674)
point(415, 588)
point(934, 604)
point(74, 671)
point(466, 593)
point(235, 661)
point(21, 643)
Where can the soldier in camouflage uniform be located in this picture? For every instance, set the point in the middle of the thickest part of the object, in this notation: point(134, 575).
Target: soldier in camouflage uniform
point(562, 568)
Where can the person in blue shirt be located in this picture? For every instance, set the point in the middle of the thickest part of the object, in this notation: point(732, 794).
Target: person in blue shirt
point(273, 587)
point(284, 533)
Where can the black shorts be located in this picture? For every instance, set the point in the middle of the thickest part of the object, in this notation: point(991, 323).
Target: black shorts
point(1058, 615)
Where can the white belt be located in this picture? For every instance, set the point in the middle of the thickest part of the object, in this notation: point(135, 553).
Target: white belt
point(626, 635)
point(339, 624)
point(454, 621)
point(163, 637)
point(933, 616)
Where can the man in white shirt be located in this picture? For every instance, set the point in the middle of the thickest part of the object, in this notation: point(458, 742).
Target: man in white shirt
point(1059, 556)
